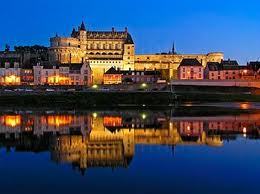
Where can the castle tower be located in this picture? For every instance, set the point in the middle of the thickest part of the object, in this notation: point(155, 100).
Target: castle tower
point(83, 37)
point(129, 52)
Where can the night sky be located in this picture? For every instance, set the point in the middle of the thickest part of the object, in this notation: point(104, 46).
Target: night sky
point(196, 26)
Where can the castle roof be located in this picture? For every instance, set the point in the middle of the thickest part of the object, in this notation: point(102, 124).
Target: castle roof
point(190, 62)
point(129, 39)
point(82, 26)
point(118, 35)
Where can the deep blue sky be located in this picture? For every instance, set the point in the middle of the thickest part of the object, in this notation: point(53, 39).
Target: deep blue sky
point(196, 26)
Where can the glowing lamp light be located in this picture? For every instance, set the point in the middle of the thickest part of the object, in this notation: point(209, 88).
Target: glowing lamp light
point(144, 85)
point(144, 116)
point(188, 128)
point(244, 106)
point(244, 130)
point(245, 71)
point(95, 115)
point(95, 86)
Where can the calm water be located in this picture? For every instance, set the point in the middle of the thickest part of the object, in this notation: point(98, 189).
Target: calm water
point(171, 151)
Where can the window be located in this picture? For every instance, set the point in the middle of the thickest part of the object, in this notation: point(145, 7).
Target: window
point(183, 69)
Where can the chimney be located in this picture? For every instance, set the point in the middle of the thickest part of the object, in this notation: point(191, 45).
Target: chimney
point(113, 29)
point(126, 30)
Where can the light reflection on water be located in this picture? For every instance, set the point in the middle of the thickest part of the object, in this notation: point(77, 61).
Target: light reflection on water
point(128, 151)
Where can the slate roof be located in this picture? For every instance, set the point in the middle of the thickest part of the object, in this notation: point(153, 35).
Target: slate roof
point(112, 70)
point(190, 62)
point(254, 65)
point(82, 27)
point(214, 66)
point(73, 66)
point(118, 35)
point(230, 63)
point(224, 65)
point(129, 39)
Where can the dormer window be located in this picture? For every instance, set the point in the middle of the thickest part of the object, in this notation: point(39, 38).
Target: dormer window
point(7, 65)
point(16, 65)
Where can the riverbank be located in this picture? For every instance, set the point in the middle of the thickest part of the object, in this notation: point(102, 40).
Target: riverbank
point(216, 94)
point(89, 99)
point(119, 99)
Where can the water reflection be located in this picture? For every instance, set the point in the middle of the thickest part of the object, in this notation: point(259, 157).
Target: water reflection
point(109, 139)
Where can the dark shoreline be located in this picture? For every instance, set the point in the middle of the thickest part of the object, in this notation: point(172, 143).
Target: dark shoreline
point(132, 100)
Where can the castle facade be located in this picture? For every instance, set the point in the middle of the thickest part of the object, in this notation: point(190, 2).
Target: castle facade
point(103, 49)
point(106, 49)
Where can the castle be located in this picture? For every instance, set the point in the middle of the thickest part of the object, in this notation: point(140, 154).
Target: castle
point(106, 49)
point(103, 49)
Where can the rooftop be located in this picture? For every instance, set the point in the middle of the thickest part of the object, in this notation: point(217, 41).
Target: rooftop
point(190, 62)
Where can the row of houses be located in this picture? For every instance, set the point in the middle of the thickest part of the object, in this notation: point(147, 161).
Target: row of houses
point(117, 76)
point(189, 69)
point(192, 69)
point(11, 73)
point(45, 73)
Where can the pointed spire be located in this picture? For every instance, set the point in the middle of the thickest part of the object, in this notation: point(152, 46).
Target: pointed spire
point(82, 27)
point(73, 32)
point(173, 48)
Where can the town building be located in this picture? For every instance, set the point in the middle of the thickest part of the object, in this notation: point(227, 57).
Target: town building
point(117, 76)
point(112, 76)
point(10, 71)
point(141, 76)
point(190, 69)
point(63, 74)
point(103, 49)
point(253, 71)
point(27, 75)
point(225, 70)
